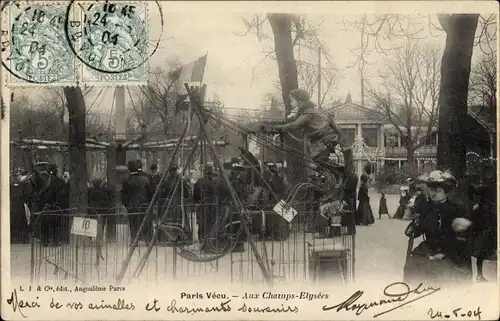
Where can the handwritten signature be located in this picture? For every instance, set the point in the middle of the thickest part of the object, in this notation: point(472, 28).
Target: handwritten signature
point(392, 295)
point(18, 304)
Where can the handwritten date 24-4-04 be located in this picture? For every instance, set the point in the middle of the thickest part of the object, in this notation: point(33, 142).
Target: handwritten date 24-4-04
point(456, 313)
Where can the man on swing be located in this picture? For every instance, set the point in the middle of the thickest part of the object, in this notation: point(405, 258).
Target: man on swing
point(319, 128)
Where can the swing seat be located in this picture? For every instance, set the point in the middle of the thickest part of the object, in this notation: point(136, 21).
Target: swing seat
point(176, 233)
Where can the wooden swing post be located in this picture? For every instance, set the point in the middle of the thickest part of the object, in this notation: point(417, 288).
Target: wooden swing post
point(197, 109)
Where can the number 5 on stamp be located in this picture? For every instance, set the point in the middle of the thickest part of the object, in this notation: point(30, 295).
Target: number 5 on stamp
point(111, 42)
point(84, 226)
point(33, 45)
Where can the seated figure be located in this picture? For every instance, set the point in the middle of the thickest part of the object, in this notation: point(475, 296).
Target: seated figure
point(319, 128)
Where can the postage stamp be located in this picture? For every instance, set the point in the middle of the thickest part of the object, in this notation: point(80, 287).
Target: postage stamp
point(110, 39)
point(34, 50)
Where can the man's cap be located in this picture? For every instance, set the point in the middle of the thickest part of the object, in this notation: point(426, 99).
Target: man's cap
point(153, 167)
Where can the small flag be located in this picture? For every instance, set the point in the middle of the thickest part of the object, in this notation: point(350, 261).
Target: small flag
point(194, 71)
point(189, 73)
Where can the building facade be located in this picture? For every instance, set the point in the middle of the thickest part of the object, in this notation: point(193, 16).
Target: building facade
point(377, 143)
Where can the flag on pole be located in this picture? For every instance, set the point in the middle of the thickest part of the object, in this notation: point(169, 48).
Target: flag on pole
point(190, 73)
point(193, 71)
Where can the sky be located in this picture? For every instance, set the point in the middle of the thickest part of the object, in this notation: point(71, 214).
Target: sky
point(237, 70)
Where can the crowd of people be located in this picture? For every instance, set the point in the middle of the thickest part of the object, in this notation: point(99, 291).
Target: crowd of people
point(208, 198)
point(451, 237)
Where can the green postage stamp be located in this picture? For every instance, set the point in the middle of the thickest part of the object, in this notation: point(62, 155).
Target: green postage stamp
point(94, 43)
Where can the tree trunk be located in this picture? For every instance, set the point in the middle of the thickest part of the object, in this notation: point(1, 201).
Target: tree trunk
point(412, 167)
point(77, 148)
point(455, 72)
point(281, 24)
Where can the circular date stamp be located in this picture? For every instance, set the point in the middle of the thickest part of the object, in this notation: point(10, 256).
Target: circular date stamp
point(109, 37)
point(33, 45)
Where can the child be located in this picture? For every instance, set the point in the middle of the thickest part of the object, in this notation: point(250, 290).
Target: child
point(382, 207)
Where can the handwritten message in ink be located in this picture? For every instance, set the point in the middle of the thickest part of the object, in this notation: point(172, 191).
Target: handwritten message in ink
point(24, 301)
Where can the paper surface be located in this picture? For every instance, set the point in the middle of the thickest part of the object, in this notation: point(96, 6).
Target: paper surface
point(82, 81)
point(287, 212)
point(84, 226)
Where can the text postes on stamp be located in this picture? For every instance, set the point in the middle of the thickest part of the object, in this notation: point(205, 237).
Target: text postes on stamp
point(34, 49)
point(110, 39)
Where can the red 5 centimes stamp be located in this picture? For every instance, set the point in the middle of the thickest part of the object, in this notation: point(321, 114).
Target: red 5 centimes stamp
point(34, 50)
point(111, 39)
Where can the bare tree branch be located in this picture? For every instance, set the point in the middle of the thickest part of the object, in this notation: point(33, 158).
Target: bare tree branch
point(410, 93)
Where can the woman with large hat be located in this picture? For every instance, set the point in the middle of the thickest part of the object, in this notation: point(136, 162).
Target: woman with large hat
point(443, 256)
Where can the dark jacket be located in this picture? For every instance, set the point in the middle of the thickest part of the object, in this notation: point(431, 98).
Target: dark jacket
point(363, 193)
point(317, 126)
point(51, 191)
point(168, 186)
point(100, 199)
point(205, 190)
point(420, 200)
point(435, 223)
point(155, 180)
point(142, 173)
point(223, 191)
point(136, 191)
point(350, 190)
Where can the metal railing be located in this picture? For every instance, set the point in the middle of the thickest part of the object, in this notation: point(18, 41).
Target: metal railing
point(91, 246)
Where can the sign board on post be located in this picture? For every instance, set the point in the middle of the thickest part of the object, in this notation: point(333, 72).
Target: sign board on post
point(284, 210)
point(84, 226)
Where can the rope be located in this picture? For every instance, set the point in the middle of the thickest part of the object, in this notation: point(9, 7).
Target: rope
point(323, 166)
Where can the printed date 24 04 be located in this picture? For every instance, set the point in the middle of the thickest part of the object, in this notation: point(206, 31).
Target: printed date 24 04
point(456, 313)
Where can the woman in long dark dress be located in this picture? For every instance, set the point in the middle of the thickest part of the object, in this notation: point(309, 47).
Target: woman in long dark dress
point(443, 256)
point(403, 201)
point(364, 209)
point(484, 217)
point(382, 206)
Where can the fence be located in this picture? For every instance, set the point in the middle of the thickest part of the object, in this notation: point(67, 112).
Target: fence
point(92, 247)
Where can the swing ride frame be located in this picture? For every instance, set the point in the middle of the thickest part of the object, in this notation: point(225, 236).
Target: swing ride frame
point(295, 254)
point(196, 105)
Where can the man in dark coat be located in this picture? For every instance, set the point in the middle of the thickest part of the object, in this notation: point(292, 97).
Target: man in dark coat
point(277, 183)
point(18, 220)
point(136, 195)
point(100, 201)
point(227, 206)
point(155, 176)
point(50, 196)
point(205, 197)
point(167, 188)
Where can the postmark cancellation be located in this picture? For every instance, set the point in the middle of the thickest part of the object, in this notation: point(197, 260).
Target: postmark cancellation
point(96, 43)
point(33, 46)
point(110, 39)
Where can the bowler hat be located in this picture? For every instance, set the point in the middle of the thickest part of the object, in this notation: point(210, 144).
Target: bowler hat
point(132, 166)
